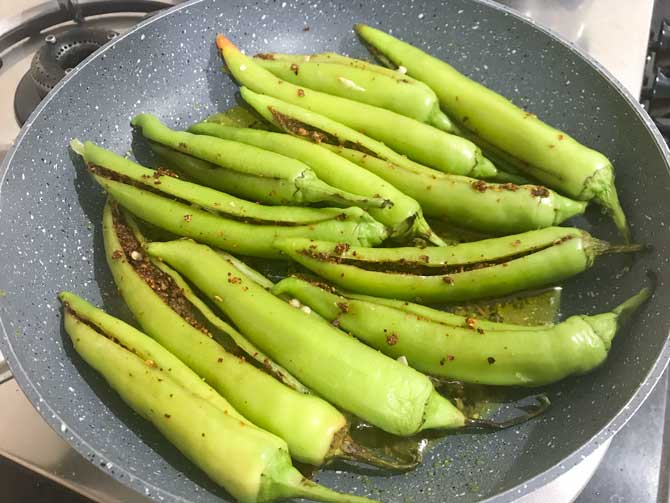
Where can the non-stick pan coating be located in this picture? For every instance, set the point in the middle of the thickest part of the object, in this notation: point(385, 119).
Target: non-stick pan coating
point(50, 230)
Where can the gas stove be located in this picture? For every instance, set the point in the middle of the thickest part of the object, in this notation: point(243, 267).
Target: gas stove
point(41, 41)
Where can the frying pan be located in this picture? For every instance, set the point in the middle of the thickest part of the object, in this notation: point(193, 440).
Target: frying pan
point(50, 230)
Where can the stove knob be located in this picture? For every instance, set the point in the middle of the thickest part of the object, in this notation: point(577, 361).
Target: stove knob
point(648, 75)
point(663, 38)
point(660, 42)
point(660, 88)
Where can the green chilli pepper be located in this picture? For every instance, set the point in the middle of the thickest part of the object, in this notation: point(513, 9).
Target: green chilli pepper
point(187, 209)
point(378, 389)
point(77, 311)
point(401, 213)
point(251, 464)
point(419, 141)
point(546, 154)
point(349, 374)
point(297, 182)
point(444, 317)
point(488, 268)
point(509, 356)
point(260, 189)
point(491, 208)
point(168, 311)
point(358, 81)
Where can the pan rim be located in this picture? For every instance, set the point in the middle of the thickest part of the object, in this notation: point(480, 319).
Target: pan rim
point(523, 488)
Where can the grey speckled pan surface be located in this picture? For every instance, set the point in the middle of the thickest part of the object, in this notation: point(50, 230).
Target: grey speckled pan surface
point(50, 233)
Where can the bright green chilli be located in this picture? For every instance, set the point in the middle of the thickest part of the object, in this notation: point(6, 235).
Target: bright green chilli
point(378, 389)
point(359, 80)
point(216, 218)
point(545, 153)
point(250, 463)
point(490, 208)
point(445, 317)
point(416, 140)
point(480, 269)
point(509, 355)
point(261, 189)
point(463, 202)
point(290, 179)
point(168, 311)
point(402, 214)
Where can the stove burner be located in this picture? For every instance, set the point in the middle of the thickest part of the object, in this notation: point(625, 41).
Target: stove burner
point(58, 56)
